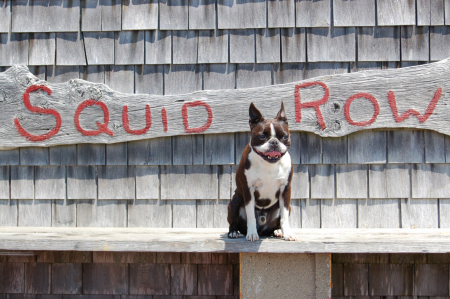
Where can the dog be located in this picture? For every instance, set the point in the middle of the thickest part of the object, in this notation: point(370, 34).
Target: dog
point(261, 201)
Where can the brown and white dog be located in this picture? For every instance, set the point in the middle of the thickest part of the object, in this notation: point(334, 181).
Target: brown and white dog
point(260, 205)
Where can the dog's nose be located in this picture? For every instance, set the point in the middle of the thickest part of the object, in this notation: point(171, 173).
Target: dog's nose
point(273, 142)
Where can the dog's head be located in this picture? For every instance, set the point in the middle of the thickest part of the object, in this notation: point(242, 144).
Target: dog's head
point(270, 138)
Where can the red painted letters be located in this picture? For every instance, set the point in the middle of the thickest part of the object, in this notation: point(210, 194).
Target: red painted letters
point(407, 114)
point(374, 102)
point(126, 125)
point(184, 113)
point(164, 118)
point(315, 104)
point(26, 101)
point(102, 127)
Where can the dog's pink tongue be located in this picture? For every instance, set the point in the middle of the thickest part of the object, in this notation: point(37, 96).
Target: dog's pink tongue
point(272, 154)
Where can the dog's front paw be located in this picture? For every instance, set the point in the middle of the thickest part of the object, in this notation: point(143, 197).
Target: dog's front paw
point(233, 234)
point(278, 233)
point(252, 236)
point(288, 236)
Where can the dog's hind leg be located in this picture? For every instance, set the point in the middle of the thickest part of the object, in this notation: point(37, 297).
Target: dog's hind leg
point(233, 216)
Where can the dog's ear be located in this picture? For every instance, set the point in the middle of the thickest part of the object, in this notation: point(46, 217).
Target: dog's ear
point(281, 114)
point(255, 116)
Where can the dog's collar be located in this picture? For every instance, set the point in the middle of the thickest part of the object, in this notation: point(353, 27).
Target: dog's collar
point(265, 158)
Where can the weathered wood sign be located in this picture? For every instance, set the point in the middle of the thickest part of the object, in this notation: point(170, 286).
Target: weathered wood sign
point(37, 113)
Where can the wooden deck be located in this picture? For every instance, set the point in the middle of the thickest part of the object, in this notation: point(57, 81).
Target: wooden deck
point(215, 240)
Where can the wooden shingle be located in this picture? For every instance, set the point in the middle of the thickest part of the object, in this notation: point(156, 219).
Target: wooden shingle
point(99, 278)
point(66, 278)
point(431, 279)
point(300, 182)
point(310, 213)
point(186, 211)
point(50, 182)
point(379, 213)
point(253, 75)
point(351, 181)
point(147, 182)
point(430, 181)
point(91, 154)
point(102, 213)
point(430, 12)
point(367, 147)
point(5, 15)
point(81, 182)
point(313, 13)
point(9, 157)
point(38, 278)
point(111, 15)
point(185, 47)
point(219, 76)
point(415, 43)
point(220, 214)
point(150, 152)
point(93, 73)
point(179, 79)
point(406, 146)
point(268, 45)
point(313, 70)
point(34, 213)
point(241, 140)
point(91, 15)
point(116, 154)
point(120, 78)
point(62, 74)
point(99, 47)
point(148, 79)
point(225, 191)
point(212, 46)
point(288, 72)
point(311, 148)
point(183, 279)
point(13, 277)
point(356, 279)
point(70, 48)
point(295, 217)
point(205, 213)
point(34, 156)
point(202, 14)
point(295, 148)
point(339, 213)
point(173, 15)
point(293, 45)
point(215, 279)
point(45, 16)
point(139, 15)
point(334, 150)
point(13, 48)
point(281, 14)
point(63, 155)
point(439, 41)
point(419, 213)
point(149, 279)
point(331, 44)
point(435, 147)
point(444, 213)
point(322, 181)
point(42, 49)
point(219, 149)
point(232, 14)
point(22, 182)
point(182, 150)
point(354, 13)
point(379, 44)
point(150, 213)
point(129, 47)
point(387, 279)
point(389, 181)
point(116, 182)
point(64, 213)
point(396, 13)
point(158, 47)
point(4, 182)
point(242, 46)
point(38, 71)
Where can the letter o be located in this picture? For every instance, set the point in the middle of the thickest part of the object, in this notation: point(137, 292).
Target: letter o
point(367, 96)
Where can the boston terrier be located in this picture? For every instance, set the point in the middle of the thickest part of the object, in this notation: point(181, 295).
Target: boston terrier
point(260, 204)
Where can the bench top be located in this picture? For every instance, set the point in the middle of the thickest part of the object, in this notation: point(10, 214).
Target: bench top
point(216, 240)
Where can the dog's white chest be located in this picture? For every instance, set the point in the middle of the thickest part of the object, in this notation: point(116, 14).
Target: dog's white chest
point(266, 178)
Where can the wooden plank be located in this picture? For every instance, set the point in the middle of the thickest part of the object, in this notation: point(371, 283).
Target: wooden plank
point(149, 279)
point(313, 13)
point(242, 46)
point(339, 213)
point(300, 182)
point(205, 213)
point(13, 48)
point(353, 13)
point(38, 278)
point(356, 279)
point(367, 147)
point(22, 182)
point(150, 152)
point(185, 214)
point(267, 45)
point(189, 182)
point(322, 175)
point(173, 15)
point(196, 258)
point(13, 278)
point(42, 49)
point(419, 213)
point(50, 182)
point(281, 14)
point(431, 279)
point(148, 79)
point(215, 279)
point(121, 77)
point(415, 43)
point(70, 48)
point(5, 14)
point(334, 150)
point(202, 14)
point(8, 212)
point(10, 157)
point(123, 257)
point(337, 277)
point(81, 182)
point(391, 279)
point(139, 15)
point(379, 213)
point(60, 74)
point(150, 213)
point(34, 156)
point(288, 72)
point(147, 182)
point(183, 279)
point(331, 44)
point(310, 213)
point(405, 146)
point(219, 149)
point(219, 76)
point(101, 278)
point(99, 47)
point(158, 47)
point(67, 278)
point(379, 44)
point(111, 15)
point(129, 47)
point(102, 213)
point(116, 154)
point(310, 148)
point(91, 154)
point(351, 181)
point(45, 16)
point(253, 75)
point(180, 79)
point(389, 181)
point(430, 181)
point(396, 13)
point(34, 213)
point(91, 15)
point(116, 182)
point(435, 147)
point(439, 38)
point(64, 213)
point(185, 47)
point(233, 15)
point(212, 46)
point(63, 155)
point(4, 182)
point(293, 46)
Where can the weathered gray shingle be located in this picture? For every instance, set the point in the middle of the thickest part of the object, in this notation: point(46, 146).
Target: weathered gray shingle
point(70, 48)
point(322, 175)
point(91, 154)
point(63, 155)
point(379, 213)
point(5, 15)
point(212, 46)
point(389, 181)
point(268, 45)
point(334, 150)
point(182, 150)
point(367, 147)
point(351, 181)
point(202, 14)
point(219, 149)
point(311, 148)
point(185, 47)
point(116, 182)
point(93, 73)
point(311, 13)
point(288, 72)
point(281, 13)
point(173, 15)
point(430, 181)
point(406, 146)
point(13, 48)
point(439, 42)
point(331, 44)
point(129, 47)
point(116, 154)
point(81, 182)
point(4, 182)
point(120, 78)
point(354, 13)
point(111, 15)
point(234, 14)
point(9, 157)
point(50, 182)
point(340, 213)
point(293, 45)
point(396, 13)
point(150, 152)
point(181, 79)
point(61, 74)
point(139, 14)
point(430, 12)
point(22, 182)
point(45, 15)
point(415, 43)
point(148, 79)
point(42, 49)
point(379, 44)
point(99, 47)
point(158, 47)
point(147, 182)
point(435, 147)
point(313, 70)
point(219, 76)
point(91, 15)
point(242, 46)
point(34, 156)
point(253, 75)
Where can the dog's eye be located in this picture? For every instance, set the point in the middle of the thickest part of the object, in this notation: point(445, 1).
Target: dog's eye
point(285, 137)
point(262, 136)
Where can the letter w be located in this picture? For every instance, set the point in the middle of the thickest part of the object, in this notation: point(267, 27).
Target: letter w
point(407, 114)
